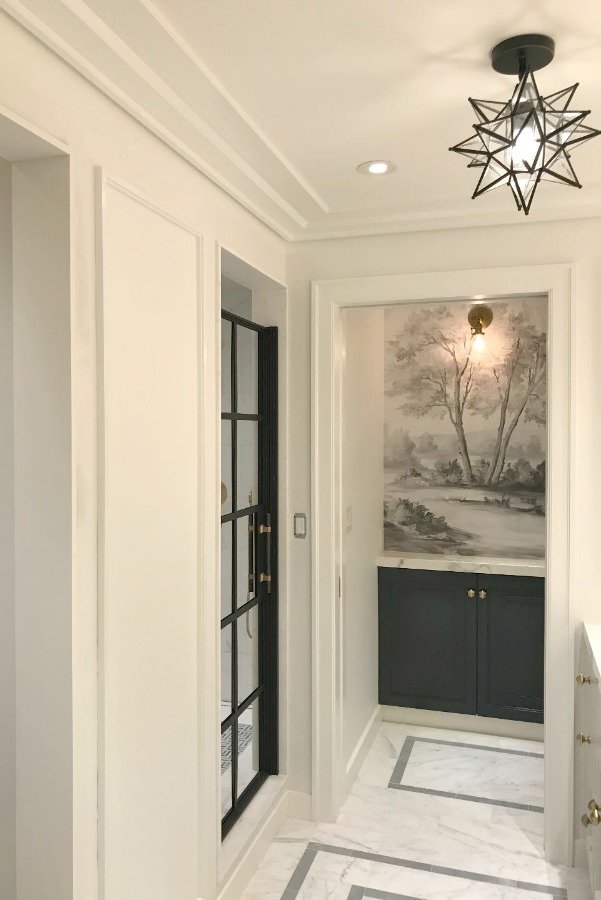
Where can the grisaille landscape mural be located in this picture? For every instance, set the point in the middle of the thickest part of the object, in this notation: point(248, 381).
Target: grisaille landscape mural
point(465, 430)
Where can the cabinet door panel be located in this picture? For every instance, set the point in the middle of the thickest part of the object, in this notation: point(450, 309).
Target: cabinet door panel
point(511, 622)
point(428, 640)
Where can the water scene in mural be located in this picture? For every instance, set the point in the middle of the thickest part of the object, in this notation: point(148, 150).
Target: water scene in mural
point(465, 431)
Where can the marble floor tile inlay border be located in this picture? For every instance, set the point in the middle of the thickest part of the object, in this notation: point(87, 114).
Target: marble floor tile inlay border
point(399, 770)
point(361, 893)
point(299, 875)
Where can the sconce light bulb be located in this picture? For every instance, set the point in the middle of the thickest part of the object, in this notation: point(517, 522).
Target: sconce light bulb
point(479, 343)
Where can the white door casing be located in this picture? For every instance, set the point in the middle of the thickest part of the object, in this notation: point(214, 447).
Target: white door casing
point(328, 299)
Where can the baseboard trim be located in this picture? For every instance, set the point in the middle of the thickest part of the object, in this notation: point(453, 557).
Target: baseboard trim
point(299, 805)
point(289, 804)
point(242, 870)
point(529, 731)
point(361, 749)
point(580, 854)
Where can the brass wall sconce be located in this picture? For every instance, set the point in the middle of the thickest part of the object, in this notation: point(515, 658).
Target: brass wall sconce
point(479, 317)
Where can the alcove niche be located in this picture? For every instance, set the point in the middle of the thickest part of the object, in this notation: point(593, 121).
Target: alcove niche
point(35, 518)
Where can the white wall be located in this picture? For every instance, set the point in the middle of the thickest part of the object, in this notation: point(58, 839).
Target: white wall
point(42, 473)
point(7, 549)
point(149, 536)
point(526, 243)
point(50, 95)
point(362, 480)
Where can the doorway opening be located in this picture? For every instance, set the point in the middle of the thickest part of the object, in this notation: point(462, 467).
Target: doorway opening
point(36, 631)
point(249, 697)
point(342, 736)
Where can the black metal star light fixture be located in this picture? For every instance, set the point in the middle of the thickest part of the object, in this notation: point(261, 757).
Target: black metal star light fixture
point(529, 138)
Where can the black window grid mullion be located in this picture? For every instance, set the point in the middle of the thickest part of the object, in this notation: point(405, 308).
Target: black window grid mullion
point(234, 625)
point(266, 419)
point(233, 717)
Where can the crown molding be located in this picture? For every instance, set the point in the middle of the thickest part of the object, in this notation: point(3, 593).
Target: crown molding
point(417, 221)
point(162, 85)
point(133, 54)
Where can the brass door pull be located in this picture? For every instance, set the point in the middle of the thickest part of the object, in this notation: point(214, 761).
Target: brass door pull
point(482, 594)
point(583, 738)
point(471, 593)
point(583, 679)
point(594, 816)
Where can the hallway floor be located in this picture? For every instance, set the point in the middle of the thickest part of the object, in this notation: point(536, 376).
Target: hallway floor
point(433, 815)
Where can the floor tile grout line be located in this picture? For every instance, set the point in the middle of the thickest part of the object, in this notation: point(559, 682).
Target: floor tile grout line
point(300, 873)
point(405, 754)
point(467, 797)
point(374, 894)
point(401, 763)
point(426, 740)
point(313, 848)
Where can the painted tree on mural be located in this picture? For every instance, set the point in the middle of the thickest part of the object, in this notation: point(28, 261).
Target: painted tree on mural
point(435, 370)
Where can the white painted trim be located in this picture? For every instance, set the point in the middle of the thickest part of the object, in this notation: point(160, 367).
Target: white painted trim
point(208, 726)
point(210, 76)
point(299, 805)
point(428, 718)
point(244, 870)
point(290, 804)
point(91, 51)
point(408, 222)
point(362, 747)
point(580, 854)
point(328, 298)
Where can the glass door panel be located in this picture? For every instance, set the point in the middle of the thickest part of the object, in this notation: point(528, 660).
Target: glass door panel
point(249, 707)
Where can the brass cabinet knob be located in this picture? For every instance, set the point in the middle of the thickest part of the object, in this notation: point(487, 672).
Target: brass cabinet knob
point(595, 813)
point(583, 738)
point(594, 816)
point(471, 593)
point(583, 679)
point(482, 594)
point(585, 820)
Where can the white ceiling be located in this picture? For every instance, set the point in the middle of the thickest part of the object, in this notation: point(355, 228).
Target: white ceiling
point(280, 100)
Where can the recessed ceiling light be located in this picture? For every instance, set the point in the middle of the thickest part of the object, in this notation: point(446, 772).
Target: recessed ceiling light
point(377, 167)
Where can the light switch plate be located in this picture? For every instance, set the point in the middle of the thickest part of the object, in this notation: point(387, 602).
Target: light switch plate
point(300, 525)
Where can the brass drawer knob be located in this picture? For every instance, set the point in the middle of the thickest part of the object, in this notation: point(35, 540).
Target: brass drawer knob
point(482, 594)
point(594, 816)
point(595, 813)
point(583, 679)
point(583, 738)
point(471, 593)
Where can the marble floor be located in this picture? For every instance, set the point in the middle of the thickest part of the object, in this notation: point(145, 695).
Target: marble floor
point(433, 815)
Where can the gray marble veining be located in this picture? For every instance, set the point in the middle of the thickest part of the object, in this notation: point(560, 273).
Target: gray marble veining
point(390, 844)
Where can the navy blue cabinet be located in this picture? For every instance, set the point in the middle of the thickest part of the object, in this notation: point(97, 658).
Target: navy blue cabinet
point(462, 643)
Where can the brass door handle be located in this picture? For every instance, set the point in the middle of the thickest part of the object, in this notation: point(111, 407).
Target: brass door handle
point(471, 593)
point(583, 738)
point(482, 594)
point(583, 679)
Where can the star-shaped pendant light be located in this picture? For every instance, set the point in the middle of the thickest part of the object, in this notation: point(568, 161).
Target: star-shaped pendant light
point(529, 138)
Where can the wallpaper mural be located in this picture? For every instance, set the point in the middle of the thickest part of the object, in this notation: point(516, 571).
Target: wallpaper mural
point(465, 431)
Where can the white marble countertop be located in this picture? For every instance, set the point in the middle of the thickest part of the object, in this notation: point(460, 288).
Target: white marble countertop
point(479, 565)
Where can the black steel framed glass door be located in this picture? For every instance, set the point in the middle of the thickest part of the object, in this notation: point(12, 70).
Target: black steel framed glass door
point(249, 583)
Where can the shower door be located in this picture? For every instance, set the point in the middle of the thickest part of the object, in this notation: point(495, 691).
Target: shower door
point(249, 634)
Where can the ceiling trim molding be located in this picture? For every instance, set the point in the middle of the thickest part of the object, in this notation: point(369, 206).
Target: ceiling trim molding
point(417, 222)
point(139, 60)
point(210, 76)
point(208, 152)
